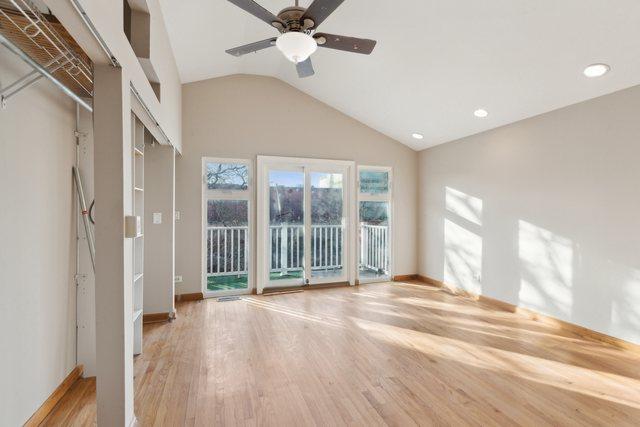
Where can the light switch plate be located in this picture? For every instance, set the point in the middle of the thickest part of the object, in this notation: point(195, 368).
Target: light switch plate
point(157, 217)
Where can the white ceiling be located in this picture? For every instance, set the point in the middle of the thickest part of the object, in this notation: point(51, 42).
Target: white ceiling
point(436, 61)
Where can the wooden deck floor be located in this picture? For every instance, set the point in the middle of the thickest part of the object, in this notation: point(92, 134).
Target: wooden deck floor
point(394, 354)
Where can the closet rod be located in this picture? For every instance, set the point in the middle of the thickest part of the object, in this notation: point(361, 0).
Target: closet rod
point(26, 58)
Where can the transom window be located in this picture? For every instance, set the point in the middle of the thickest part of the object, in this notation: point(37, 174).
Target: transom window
point(374, 181)
point(227, 176)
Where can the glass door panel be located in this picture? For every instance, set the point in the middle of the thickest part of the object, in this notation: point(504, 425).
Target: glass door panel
point(227, 245)
point(286, 226)
point(374, 240)
point(327, 226)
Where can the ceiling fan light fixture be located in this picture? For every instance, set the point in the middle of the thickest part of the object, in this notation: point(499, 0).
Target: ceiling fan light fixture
point(296, 47)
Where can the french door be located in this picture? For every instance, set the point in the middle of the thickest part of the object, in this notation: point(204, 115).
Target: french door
point(304, 222)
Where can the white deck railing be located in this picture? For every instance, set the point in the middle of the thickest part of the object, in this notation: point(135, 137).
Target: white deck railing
point(374, 243)
point(287, 243)
point(227, 249)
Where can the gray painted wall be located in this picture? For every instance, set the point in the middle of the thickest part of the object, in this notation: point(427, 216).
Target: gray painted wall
point(159, 161)
point(543, 213)
point(38, 250)
point(244, 116)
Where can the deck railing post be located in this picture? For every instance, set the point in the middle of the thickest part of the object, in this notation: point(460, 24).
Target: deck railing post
point(284, 249)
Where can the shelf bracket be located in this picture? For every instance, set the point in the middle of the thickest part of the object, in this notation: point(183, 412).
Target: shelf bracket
point(29, 79)
point(39, 71)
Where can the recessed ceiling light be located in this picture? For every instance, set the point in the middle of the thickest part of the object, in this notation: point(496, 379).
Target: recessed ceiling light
point(596, 70)
point(481, 113)
point(416, 135)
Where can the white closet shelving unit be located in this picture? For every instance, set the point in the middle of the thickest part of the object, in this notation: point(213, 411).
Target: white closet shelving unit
point(138, 138)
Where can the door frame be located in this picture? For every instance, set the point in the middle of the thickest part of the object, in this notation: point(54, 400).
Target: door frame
point(264, 163)
point(375, 198)
point(247, 195)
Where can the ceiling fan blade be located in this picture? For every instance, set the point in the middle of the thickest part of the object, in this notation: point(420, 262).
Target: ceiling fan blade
point(320, 10)
point(258, 11)
point(305, 69)
point(349, 44)
point(252, 47)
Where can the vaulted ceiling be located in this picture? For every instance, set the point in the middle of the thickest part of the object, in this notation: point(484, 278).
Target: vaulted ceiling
point(436, 62)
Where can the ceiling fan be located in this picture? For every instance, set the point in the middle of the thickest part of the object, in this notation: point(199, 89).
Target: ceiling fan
point(298, 38)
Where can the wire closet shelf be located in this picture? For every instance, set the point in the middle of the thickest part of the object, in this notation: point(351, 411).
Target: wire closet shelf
point(25, 25)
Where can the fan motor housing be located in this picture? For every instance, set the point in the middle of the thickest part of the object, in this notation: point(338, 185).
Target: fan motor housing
point(291, 17)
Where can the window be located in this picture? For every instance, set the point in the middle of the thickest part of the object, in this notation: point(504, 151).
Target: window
point(227, 176)
point(374, 182)
point(374, 228)
point(227, 228)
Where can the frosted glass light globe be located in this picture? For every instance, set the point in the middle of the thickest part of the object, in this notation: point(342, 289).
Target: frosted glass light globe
point(297, 47)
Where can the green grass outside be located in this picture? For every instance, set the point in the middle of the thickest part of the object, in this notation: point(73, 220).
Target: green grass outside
point(226, 283)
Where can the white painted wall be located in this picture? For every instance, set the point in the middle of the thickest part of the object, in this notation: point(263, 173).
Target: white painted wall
point(244, 116)
point(86, 314)
point(543, 213)
point(38, 248)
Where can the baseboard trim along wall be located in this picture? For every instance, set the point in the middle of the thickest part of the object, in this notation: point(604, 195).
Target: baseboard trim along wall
point(190, 297)
point(44, 409)
point(405, 277)
point(580, 331)
point(158, 317)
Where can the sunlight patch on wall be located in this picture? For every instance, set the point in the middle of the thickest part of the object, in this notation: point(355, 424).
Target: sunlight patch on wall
point(625, 310)
point(462, 257)
point(464, 205)
point(546, 262)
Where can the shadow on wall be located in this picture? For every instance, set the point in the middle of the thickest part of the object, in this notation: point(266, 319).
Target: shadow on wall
point(554, 273)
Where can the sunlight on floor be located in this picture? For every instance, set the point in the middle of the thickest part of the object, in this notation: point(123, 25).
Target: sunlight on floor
point(561, 375)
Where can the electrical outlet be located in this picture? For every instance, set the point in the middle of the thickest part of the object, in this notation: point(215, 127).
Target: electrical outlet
point(178, 279)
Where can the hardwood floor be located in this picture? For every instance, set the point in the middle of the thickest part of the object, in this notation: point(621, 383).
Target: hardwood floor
point(379, 354)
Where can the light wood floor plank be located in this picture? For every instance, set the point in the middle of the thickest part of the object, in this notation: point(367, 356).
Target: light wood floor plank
point(380, 354)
